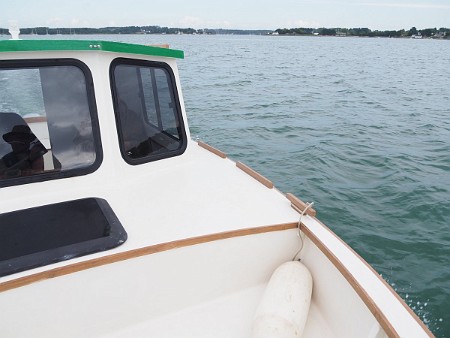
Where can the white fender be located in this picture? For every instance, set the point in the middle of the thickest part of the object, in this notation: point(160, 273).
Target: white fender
point(284, 308)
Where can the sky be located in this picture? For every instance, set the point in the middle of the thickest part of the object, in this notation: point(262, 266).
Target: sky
point(230, 14)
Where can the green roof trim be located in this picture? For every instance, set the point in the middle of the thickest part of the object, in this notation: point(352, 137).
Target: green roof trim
point(81, 45)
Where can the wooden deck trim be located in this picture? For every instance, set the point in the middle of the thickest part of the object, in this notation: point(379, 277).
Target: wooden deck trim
point(257, 176)
point(161, 45)
point(300, 205)
point(212, 149)
point(35, 119)
point(149, 250)
point(373, 307)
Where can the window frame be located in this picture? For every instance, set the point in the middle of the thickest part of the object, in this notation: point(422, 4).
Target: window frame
point(90, 92)
point(178, 112)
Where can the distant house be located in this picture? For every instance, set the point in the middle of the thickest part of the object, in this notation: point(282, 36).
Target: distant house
point(439, 35)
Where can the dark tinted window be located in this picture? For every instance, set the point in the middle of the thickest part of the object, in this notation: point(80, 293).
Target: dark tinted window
point(148, 111)
point(47, 119)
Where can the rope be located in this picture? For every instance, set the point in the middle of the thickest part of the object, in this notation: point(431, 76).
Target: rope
point(308, 205)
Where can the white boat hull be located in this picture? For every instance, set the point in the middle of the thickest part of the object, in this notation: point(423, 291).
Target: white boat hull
point(204, 236)
point(193, 290)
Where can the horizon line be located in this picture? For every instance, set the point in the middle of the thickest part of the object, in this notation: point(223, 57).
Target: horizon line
point(230, 29)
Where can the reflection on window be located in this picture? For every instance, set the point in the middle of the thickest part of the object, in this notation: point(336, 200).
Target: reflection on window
point(45, 122)
point(148, 111)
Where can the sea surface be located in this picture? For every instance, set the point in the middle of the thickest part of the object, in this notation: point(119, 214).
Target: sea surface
point(359, 126)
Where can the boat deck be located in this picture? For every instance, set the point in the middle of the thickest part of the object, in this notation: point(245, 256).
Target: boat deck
point(202, 320)
point(204, 234)
point(213, 198)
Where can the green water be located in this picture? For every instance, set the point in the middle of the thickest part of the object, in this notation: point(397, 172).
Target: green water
point(359, 126)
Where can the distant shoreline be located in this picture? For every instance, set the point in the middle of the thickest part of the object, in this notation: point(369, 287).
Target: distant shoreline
point(441, 33)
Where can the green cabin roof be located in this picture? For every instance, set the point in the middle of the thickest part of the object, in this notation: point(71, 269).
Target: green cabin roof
point(79, 45)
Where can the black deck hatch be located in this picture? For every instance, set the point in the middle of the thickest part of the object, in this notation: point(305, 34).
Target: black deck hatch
point(52, 233)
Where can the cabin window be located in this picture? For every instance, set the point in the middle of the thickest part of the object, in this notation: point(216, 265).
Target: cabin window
point(148, 112)
point(48, 121)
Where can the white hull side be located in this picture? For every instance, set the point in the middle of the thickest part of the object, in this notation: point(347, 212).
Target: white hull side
point(185, 292)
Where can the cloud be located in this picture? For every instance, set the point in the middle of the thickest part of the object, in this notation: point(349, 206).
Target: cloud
point(406, 5)
point(77, 23)
point(196, 22)
point(303, 23)
point(191, 21)
point(55, 22)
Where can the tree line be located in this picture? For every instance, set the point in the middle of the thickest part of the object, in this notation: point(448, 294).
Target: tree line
point(104, 30)
point(366, 32)
point(131, 30)
point(362, 32)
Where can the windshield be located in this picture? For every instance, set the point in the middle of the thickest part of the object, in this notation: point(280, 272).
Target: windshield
point(46, 121)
